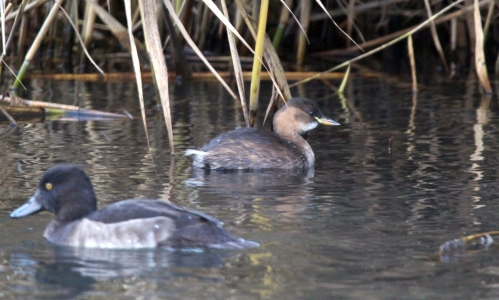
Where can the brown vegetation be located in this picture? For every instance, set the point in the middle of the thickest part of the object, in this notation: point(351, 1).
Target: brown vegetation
point(54, 37)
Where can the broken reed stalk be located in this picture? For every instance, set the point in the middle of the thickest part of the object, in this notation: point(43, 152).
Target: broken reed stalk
point(55, 106)
point(343, 85)
point(198, 76)
point(412, 60)
point(36, 43)
point(257, 61)
point(481, 68)
point(6, 12)
point(155, 50)
point(434, 35)
point(475, 236)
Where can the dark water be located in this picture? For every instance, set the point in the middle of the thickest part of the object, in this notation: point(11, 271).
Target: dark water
point(361, 228)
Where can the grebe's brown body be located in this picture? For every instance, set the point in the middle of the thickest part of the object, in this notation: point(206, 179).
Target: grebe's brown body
point(249, 148)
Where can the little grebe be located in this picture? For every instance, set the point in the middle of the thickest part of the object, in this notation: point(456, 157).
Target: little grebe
point(249, 148)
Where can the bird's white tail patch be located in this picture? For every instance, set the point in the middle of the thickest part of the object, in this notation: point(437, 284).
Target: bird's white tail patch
point(190, 152)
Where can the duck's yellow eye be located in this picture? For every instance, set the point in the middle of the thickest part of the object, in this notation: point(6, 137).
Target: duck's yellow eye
point(48, 186)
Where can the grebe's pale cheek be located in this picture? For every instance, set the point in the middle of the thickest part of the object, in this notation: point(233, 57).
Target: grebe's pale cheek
point(309, 126)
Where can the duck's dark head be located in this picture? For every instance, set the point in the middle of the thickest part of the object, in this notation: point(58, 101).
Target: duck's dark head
point(64, 190)
point(298, 116)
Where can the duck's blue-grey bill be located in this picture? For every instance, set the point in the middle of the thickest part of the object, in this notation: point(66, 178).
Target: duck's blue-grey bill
point(28, 208)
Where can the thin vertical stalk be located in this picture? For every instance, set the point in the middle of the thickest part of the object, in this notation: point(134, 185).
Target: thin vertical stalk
point(453, 34)
point(4, 13)
point(36, 43)
point(180, 64)
point(186, 15)
point(178, 6)
point(470, 26)
point(434, 35)
point(203, 28)
point(236, 62)
point(136, 14)
point(282, 24)
point(350, 17)
point(257, 61)
point(490, 15)
point(68, 39)
point(22, 38)
point(306, 6)
point(453, 42)
point(17, 20)
point(194, 47)
point(119, 31)
point(136, 64)
point(384, 46)
point(272, 62)
point(88, 22)
point(410, 49)
point(481, 68)
point(88, 28)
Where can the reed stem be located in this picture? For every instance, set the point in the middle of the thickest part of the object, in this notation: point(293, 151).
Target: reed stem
point(257, 61)
point(36, 43)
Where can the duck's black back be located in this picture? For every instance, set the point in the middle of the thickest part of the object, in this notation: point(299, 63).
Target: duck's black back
point(192, 228)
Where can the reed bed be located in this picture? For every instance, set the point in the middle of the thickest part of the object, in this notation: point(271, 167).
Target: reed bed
point(162, 38)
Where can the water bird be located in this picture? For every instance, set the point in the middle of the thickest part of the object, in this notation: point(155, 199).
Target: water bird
point(66, 191)
point(249, 148)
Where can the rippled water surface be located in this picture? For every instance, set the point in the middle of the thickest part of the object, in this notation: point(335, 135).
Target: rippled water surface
point(361, 228)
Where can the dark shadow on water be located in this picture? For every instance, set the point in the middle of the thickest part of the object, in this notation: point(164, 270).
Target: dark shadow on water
point(71, 272)
point(249, 182)
point(198, 172)
point(64, 277)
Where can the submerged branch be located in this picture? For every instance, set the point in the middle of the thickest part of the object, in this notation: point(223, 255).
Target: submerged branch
point(58, 108)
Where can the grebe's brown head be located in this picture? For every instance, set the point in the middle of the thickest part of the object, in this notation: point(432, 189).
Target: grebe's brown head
point(298, 116)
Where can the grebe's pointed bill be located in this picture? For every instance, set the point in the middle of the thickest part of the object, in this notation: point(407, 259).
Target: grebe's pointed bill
point(326, 121)
point(28, 208)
